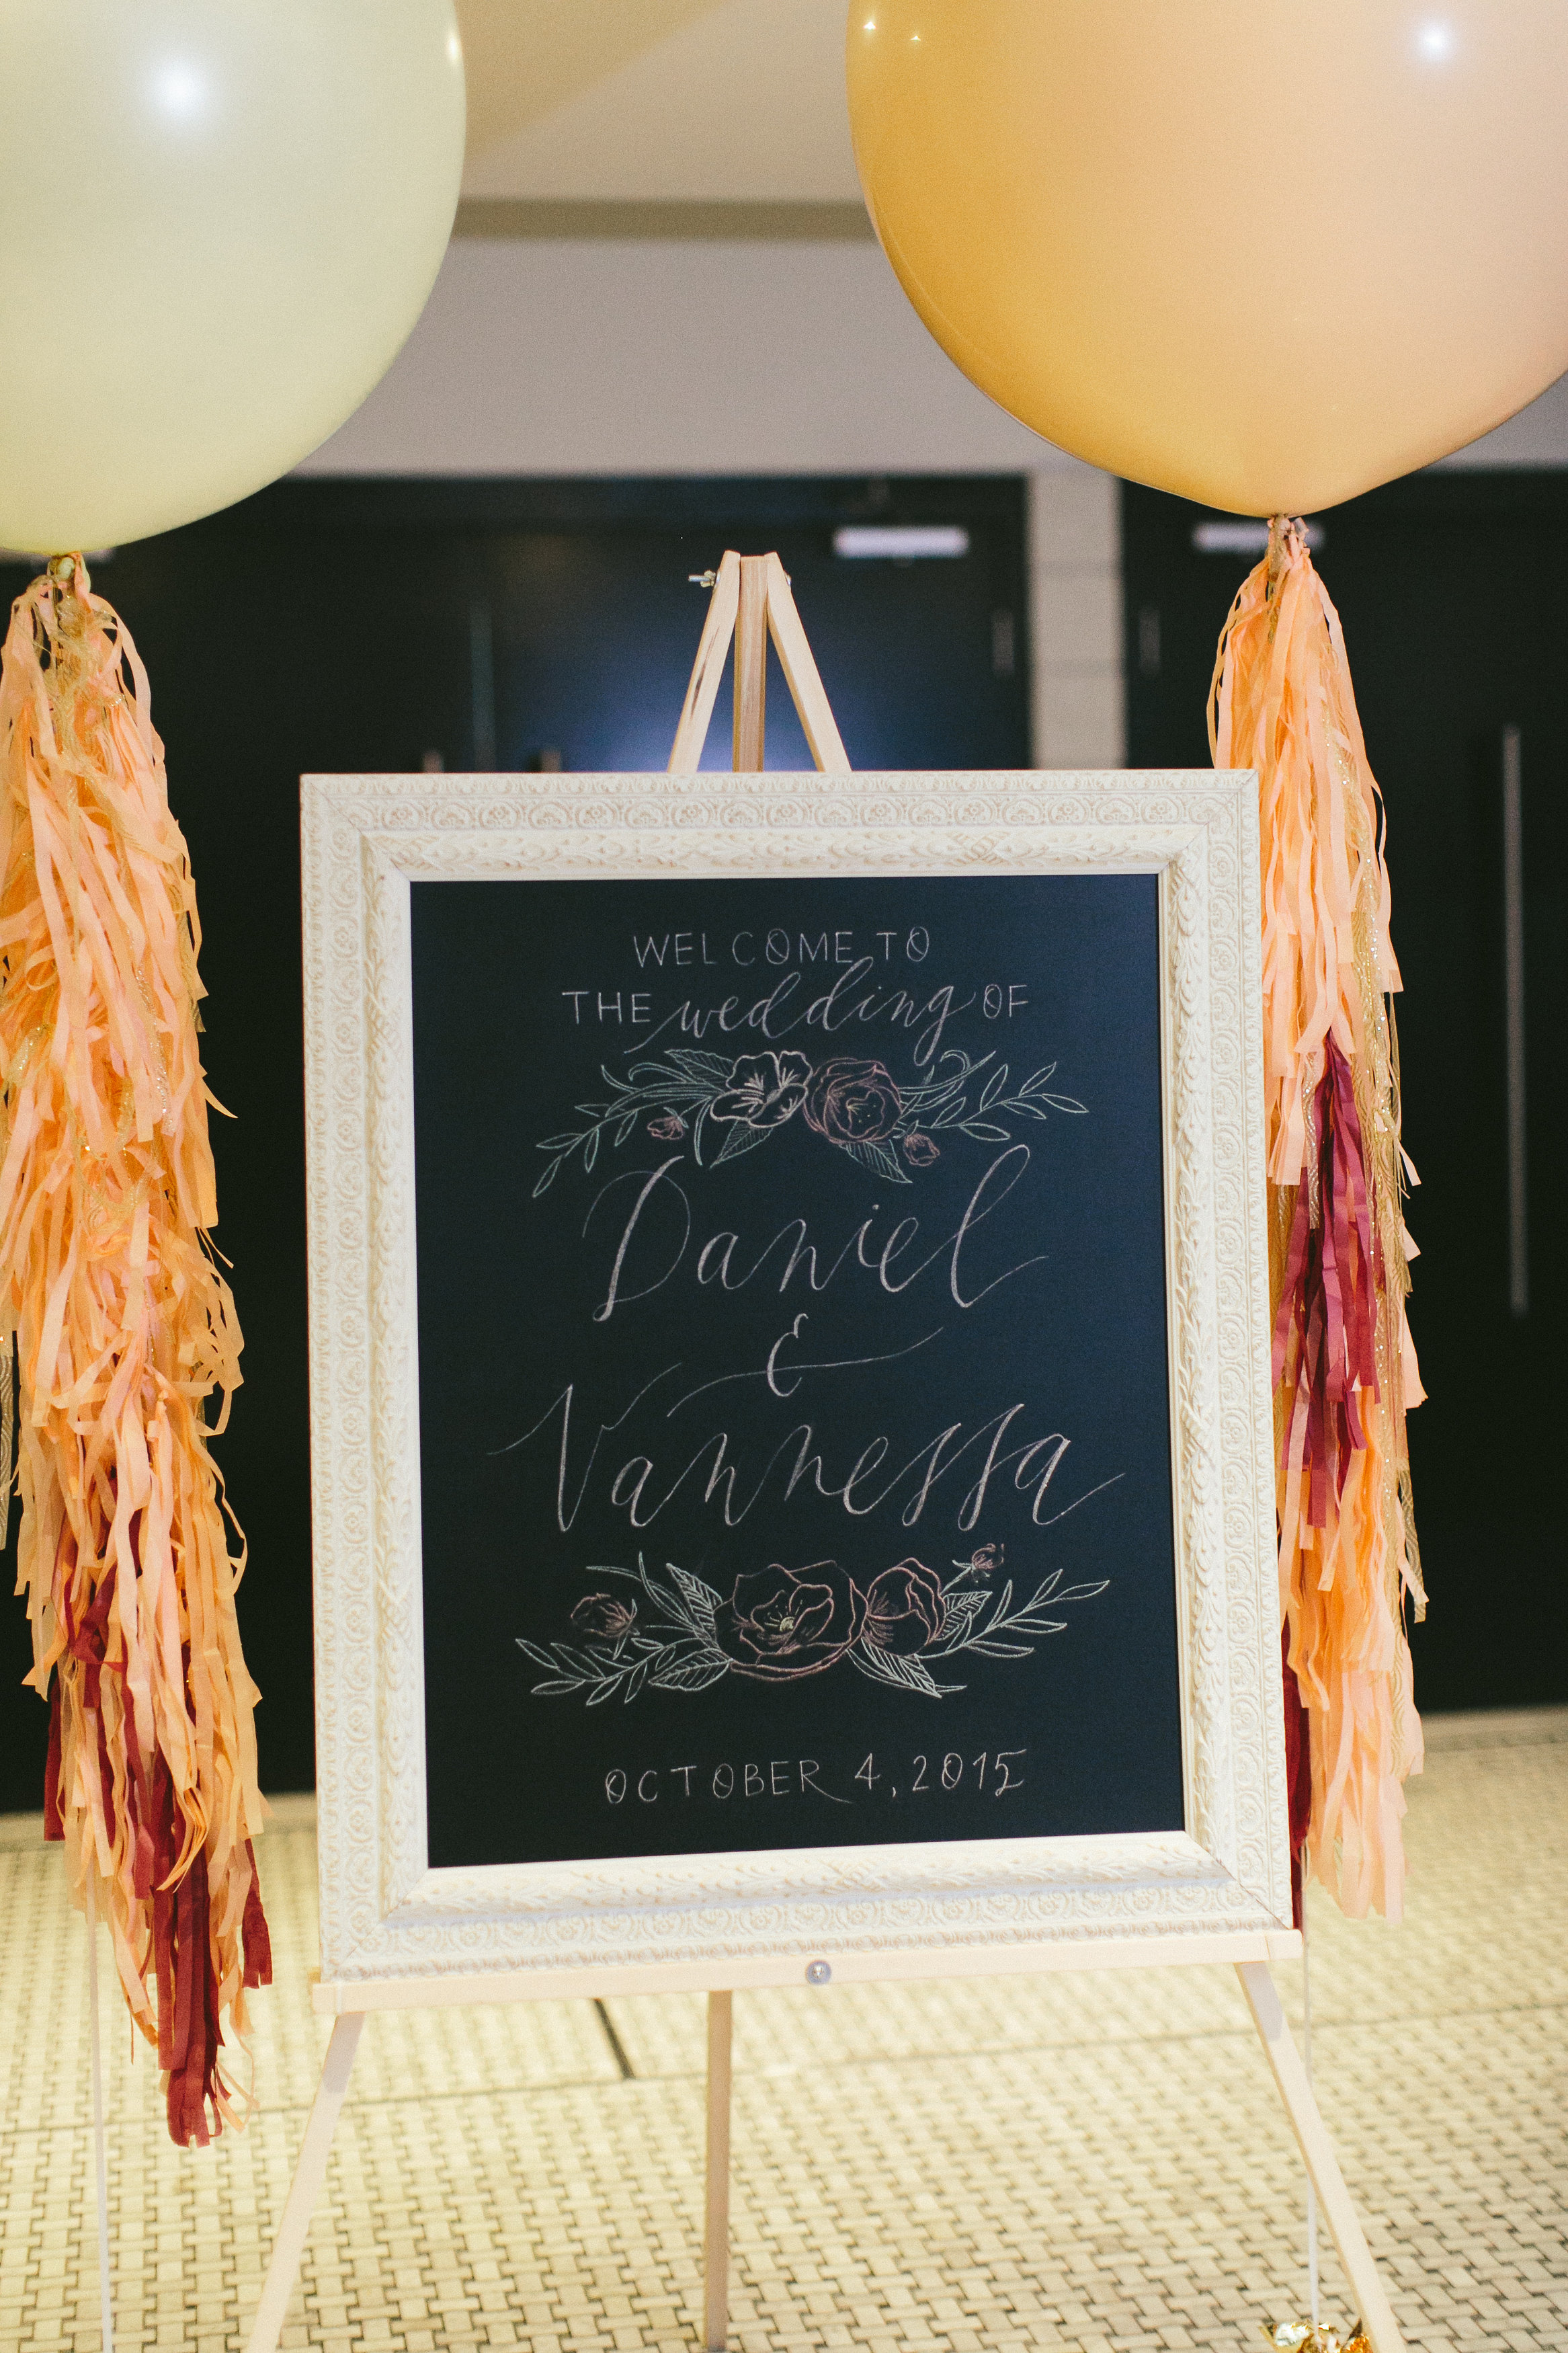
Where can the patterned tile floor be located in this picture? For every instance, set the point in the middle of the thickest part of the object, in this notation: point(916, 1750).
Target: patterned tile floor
point(1091, 2162)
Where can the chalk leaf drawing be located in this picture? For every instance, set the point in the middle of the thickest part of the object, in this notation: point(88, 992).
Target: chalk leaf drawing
point(899, 1627)
point(888, 1126)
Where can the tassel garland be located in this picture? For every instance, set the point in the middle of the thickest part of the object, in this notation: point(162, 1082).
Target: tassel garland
point(122, 1326)
point(1344, 1365)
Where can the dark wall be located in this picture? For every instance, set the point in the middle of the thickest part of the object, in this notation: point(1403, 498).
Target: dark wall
point(1456, 618)
point(366, 626)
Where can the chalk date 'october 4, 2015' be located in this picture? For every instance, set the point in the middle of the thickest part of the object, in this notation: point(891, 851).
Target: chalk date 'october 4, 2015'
point(994, 1773)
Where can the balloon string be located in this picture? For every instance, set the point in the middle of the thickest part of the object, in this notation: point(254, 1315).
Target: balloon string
point(1307, 2064)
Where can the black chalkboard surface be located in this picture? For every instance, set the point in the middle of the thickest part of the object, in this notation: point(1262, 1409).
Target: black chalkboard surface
point(795, 1414)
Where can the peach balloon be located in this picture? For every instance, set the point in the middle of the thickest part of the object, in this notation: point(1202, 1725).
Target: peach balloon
point(1263, 254)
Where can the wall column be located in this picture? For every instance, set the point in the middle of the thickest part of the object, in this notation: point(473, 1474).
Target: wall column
point(1075, 605)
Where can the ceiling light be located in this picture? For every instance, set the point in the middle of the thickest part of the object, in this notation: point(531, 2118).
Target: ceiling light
point(901, 540)
point(1242, 538)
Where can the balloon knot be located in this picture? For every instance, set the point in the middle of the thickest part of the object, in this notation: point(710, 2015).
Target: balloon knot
point(1287, 544)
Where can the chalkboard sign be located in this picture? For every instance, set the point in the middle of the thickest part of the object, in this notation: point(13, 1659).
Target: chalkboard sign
point(790, 1370)
point(795, 1410)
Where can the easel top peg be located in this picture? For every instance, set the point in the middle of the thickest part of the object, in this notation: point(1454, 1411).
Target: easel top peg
point(752, 602)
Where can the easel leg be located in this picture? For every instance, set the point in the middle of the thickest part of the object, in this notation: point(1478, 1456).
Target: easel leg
point(752, 667)
point(1317, 2149)
point(99, 2142)
point(716, 2251)
point(288, 2247)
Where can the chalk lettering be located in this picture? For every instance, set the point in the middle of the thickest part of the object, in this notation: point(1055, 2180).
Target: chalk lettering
point(924, 1020)
point(722, 1259)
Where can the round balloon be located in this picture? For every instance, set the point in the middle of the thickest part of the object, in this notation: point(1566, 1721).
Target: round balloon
point(218, 221)
point(1263, 254)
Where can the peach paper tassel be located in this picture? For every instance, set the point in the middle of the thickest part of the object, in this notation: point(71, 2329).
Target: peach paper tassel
point(1344, 1369)
point(123, 1327)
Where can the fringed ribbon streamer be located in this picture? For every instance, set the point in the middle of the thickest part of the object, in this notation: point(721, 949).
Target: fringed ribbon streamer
point(123, 1326)
point(1344, 1367)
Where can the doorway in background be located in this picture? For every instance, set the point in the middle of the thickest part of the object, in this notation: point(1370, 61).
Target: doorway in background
point(1456, 618)
point(397, 625)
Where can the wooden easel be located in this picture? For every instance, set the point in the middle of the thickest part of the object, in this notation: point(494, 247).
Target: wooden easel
point(751, 601)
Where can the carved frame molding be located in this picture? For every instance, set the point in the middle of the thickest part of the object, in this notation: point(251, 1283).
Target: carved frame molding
point(385, 1916)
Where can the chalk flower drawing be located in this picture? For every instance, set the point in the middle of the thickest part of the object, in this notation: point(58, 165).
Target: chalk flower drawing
point(859, 1106)
point(764, 1090)
point(778, 1624)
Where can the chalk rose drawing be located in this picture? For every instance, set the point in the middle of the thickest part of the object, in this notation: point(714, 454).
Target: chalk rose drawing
point(853, 1102)
point(886, 1124)
point(781, 1623)
point(899, 1625)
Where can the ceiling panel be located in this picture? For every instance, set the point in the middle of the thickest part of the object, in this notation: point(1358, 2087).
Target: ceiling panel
point(658, 100)
point(526, 58)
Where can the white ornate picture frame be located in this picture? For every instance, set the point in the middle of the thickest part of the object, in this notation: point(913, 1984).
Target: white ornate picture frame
point(396, 1931)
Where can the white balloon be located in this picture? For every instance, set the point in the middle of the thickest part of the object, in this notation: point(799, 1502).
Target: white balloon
point(219, 220)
